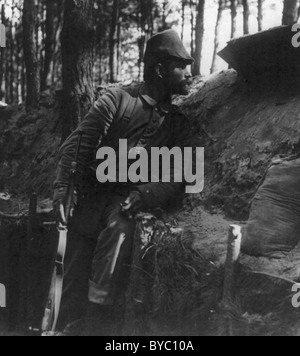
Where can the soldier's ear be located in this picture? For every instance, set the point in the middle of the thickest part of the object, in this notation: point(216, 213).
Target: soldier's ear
point(160, 71)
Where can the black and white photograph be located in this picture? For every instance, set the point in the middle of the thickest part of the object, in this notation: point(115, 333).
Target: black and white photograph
point(149, 170)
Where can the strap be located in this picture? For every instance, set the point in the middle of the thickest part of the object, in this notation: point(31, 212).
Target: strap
point(129, 108)
point(123, 117)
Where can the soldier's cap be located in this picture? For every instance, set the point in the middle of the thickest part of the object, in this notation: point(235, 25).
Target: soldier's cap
point(163, 46)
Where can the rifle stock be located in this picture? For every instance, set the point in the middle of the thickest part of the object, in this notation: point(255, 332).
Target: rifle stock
point(52, 309)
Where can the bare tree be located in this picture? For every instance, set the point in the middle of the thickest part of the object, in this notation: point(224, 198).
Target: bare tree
point(164, 15)
point(145, 24)
point(49, 42)
point(290, 12)
point(58, 23)
point(77, 39)
point(12, 54)
point(2, 57)
point(30, 57)
point(183, 5)
point(222, 6)
point(192, 7)
point(113, 41)
point(246, 16)
point(199, 37)
point(260, 15)
point(233, 7)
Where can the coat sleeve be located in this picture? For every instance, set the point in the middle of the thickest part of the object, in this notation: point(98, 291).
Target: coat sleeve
point(94, 127)
point(161, 194)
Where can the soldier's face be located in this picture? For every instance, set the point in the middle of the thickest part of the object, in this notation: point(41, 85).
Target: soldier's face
point(179, 78)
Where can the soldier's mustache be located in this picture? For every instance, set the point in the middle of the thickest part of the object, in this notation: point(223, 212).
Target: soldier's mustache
point(187, 82)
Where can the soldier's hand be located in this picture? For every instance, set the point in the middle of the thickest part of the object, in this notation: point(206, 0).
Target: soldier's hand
point(59, 199)
point(132, 204)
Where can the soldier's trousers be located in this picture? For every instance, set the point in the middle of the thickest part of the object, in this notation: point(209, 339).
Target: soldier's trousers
point(97, 263)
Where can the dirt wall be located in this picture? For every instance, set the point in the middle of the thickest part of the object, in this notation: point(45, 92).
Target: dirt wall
point(242, 126)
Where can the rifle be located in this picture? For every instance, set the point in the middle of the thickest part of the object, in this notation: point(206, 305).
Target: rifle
point(52, 309)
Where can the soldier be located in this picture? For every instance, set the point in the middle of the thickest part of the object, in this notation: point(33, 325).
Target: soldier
point(102, 226)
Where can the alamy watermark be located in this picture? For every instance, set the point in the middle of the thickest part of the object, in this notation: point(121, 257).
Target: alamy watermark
point(296, 297)
point(296, 37)
point(176, 165)
point(2, 35)
point(2, 296)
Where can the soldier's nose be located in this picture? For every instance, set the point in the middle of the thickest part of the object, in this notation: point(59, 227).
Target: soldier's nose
point(187, 73)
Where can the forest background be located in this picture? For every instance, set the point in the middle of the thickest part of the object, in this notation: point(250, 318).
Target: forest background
point(60, 53)
point(75, 46)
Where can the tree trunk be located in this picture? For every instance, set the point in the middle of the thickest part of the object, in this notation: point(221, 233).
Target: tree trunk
point(183, 4)
point(199, 37)
point(23, 81)
point(113, 40)
point(233, 18)
point(31, 62)
point(145, 20)
point(290, 12)
point(12, 59)
point(56, 63)
point(119, 48)
point(192, 29)
point(77, 39)
point(49, 42)
point(101, 40)
point(13, 54)
point(2, 59)
point(19, 68)
point(164, 16)
point(222, 5)
point(6, 62)
point(142, 20)
point(246, 16)
point(260, 15)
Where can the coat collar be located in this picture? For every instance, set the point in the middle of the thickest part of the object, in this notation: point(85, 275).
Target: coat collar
point(164, 107)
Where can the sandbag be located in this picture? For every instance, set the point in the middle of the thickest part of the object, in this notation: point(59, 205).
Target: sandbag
point(273, 229)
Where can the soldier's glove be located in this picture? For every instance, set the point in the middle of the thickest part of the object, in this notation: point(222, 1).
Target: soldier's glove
point(59, 200)
point(132, 204)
